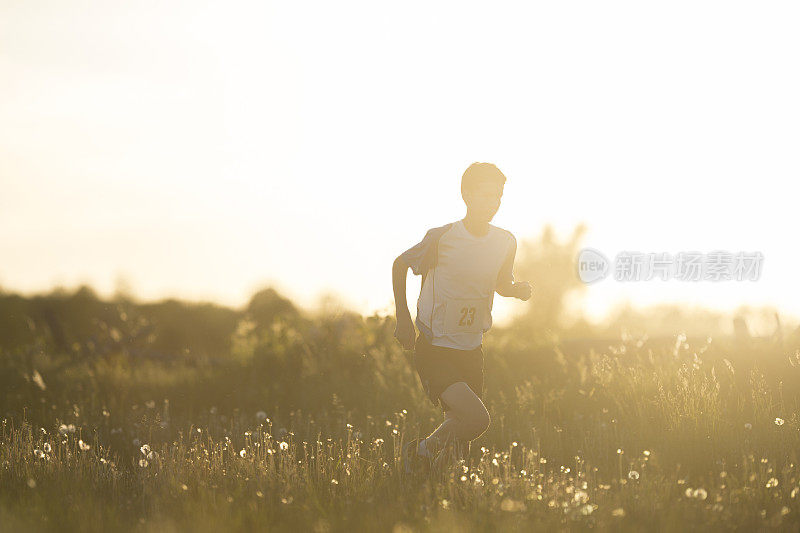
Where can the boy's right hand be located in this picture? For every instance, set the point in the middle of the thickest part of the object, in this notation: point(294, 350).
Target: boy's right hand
point(404, 332)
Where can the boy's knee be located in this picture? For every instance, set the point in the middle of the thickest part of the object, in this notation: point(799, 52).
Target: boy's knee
point(478, 424)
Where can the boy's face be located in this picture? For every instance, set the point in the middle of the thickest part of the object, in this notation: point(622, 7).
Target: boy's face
point(483, 200)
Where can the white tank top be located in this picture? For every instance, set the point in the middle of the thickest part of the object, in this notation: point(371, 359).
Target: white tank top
point(460, 274)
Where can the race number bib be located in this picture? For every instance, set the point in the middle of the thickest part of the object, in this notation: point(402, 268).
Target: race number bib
point(464, 315)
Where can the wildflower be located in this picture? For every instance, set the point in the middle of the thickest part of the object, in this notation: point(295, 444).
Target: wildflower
point(143, 463)
point(580, 497)
point(514, 444)
point(378, 441)
point(633, 474)
point(242, 453)
point(184, 487)
point(619, 512)
point(778, 421)
point(248, 433)
point(794, 493)
point(334, 482)
point(445, 504)
point(748, 426)
point(619, 451)
point(646, 453)
point(47, 448)
point(283, 445)
point(588, 509)
point(83, 446)
point(145, 449)
point(772, 482)
point(150, 404)
point(38, 453)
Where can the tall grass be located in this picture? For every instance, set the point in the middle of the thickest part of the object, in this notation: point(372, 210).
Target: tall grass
point(300, 426)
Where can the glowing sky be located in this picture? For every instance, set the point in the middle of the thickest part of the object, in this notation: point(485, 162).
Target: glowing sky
point(205, 149)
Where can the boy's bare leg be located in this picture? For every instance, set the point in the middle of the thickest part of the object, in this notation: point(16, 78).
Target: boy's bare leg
point(466, 418)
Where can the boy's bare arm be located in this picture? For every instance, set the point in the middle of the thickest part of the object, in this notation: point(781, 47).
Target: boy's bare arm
point(506, 286)
point(404, 331)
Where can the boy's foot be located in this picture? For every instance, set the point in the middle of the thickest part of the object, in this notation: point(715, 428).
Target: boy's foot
point(413, 463)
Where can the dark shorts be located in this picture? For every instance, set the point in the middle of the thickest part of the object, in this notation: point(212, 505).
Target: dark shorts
point(439, 367)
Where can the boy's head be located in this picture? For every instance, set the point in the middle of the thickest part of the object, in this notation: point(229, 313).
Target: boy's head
point(481, 188)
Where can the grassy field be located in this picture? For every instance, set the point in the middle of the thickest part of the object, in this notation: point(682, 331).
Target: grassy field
point(299, 424)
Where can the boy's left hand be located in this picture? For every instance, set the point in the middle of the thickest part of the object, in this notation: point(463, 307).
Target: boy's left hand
point(523, 290)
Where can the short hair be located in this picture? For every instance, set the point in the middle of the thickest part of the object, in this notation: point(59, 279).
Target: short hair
point(481, 172)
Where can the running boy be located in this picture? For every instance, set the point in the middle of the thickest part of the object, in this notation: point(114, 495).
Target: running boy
point(462, 265)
